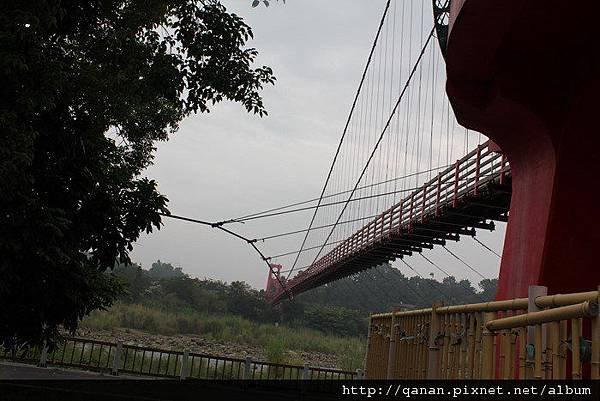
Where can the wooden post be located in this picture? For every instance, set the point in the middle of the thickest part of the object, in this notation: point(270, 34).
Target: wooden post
point(433, 356)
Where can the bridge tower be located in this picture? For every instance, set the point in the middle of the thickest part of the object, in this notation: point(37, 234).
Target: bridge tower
point(527, 75)
point(273, 281)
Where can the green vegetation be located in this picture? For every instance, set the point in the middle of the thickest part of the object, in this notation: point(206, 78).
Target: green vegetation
point(329, 319)
point(275, 339)
point(222, 328)
point(89, 88)
point(274, 350)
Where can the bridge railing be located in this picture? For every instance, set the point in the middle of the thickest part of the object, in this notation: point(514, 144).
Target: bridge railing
point(468, 176)
point(525, 338)
point(117, 358)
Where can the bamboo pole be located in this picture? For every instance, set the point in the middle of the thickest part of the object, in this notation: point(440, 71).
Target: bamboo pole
point(415, 345)
point(505, 355)
point(563, 349)
point(541, 301)
point(406, 348)
point(422, 350)
point(478, 345)
point(585, 309)
point(402, 347)
point(495, 356)
point(537, 370)
point(553, 301)
point(434, 356)
point(522, 353)
point(419, 355)
point(425, 347)
point(366, 360)
point(547, 357)
point(462, 366)
point(451, 347)
point(391, 363)
point(512, 353)
point(444, 366)
point(411, 348)
point(554, 329)
point(471, 353)
point(575, 344)
point(487, 368)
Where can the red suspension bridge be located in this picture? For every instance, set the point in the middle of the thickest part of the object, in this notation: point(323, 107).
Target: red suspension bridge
point(461, 198)
point(526, 81)
point(413, 167)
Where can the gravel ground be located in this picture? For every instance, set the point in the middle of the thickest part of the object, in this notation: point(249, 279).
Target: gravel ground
point(198, 344)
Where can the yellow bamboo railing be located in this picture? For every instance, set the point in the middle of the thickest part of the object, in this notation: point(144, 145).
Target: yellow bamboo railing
point(522, 338)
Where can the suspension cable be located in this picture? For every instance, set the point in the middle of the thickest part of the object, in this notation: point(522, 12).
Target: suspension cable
point(464, 263)
point(487, 247)
point(448, 275)
point(337, 152)
point(414, 69)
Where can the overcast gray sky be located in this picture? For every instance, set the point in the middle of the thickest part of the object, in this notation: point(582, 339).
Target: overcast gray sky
point(229, 163)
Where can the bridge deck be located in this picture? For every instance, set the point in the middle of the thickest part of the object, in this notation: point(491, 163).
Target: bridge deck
point(456, 202)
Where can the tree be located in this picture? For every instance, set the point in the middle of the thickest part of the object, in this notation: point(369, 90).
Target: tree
point(135, 280)
point(160, 270)
point(88, 87)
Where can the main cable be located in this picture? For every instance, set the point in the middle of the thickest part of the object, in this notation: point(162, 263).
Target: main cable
point(251, 242)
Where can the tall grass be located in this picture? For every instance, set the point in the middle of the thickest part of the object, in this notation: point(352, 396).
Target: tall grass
point(229, 329)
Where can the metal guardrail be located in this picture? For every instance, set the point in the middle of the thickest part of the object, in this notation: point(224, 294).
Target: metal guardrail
point(116, 358)
point(539, 337)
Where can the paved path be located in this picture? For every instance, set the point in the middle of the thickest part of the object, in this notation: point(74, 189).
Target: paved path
point(10, 370)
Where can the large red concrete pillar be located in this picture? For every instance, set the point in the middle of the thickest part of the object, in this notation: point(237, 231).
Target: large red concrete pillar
point(526, 74)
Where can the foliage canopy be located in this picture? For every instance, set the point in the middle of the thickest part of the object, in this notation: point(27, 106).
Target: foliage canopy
point(88, 87)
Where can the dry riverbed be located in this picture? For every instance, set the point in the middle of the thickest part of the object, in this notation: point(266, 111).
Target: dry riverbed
point(196, 343)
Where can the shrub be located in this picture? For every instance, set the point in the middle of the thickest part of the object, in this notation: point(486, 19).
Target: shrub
point(274, 350)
